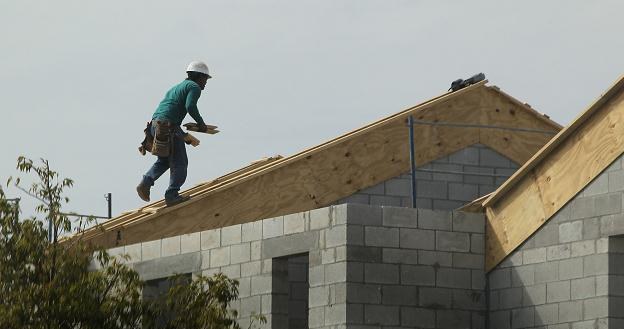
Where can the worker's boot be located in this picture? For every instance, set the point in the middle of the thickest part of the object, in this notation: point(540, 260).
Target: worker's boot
point(144, 191)
point(177, 200)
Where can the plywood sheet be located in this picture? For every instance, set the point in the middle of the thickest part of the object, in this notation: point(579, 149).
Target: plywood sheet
point(333, 170)
point(570, 166)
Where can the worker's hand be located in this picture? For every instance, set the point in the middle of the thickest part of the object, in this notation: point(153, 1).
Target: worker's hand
point(201, 127)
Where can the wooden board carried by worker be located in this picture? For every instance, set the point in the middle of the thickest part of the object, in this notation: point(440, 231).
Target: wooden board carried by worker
point(328, 172)
point(191, 126)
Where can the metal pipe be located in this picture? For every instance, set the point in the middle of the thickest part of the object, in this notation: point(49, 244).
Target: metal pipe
point(109, 199)
point(410, 121)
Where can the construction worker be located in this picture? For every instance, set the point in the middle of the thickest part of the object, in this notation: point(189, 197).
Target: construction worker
point(165, 127)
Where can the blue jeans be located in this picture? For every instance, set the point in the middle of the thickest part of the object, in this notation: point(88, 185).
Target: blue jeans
point(176, 162)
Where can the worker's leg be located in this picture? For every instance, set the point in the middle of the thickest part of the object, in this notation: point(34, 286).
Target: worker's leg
point(158, 168)
point(179, 164)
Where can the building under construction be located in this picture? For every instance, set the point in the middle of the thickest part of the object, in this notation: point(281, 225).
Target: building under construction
point(504, 220)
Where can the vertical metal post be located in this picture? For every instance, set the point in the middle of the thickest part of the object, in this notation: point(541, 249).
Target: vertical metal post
point(109, 198)
point(410, 121)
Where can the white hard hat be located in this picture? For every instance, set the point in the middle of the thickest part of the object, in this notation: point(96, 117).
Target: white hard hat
point(197, 66)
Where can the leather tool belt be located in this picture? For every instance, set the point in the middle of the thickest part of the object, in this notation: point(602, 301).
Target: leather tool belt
point(163, 137)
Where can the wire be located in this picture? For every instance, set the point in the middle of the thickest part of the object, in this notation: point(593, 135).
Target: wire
point(62, 213)
point(461, 173)
point(463, 125)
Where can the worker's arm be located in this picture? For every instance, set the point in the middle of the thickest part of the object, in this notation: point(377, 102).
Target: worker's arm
point(191, 105)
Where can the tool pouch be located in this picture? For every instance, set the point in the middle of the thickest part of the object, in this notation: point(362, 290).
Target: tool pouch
point(162, 138)
point(148, 141)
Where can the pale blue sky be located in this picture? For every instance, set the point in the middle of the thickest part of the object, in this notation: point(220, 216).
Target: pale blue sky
point(79, 79)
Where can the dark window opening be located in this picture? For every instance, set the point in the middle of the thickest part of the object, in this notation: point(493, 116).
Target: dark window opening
point(290, 292)
point(156, 290)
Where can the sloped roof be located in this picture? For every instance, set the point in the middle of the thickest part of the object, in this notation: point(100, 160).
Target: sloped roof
point(555, 174)
point(323, 174)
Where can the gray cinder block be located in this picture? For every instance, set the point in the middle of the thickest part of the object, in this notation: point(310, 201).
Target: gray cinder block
point(231, 235)
point(465, 260)
point(417, 239)
point(546, 314)
point(414, 317)
point(452, 241)
point(290, 244)
point(381, 315)
point(399, 295)
point(400, 256)
point(434, 219)
point(336, 272)
point(523, 275)
point(364, 215)
point(500, 278)
point(468, 222)
point(558, 291)
point(432, 189)
point(546, 272)
point(595, 264)
point(463, 192)
point(272, 227)
point(453, 278)
point(400, 217)
point(190, 242)
point(571, 231)
point(583, 208)
point(511, 298)
point(583, 288)
point(381, 236)
point(523, 317)
point(240, 253)
point(170, 246)
point(381, 273)
point(570, 311)
point(210, 239)
point(491, 158)
point(150, 249)
point(251, 231)
point(435, 298)
point(534, 295)
point(466, 156)
point(363, 293)
point(398, 187)
point(220, 257)
point(435, 258)
point(418, 275)
point(571, 268)
point(532, 256)
point(453, 319)
point(469, 299)
point(557, 252)
point(595, 308)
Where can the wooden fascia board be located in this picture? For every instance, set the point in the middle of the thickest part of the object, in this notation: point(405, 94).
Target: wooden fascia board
point(539, 116)
point(552, 144)
point(595, 140)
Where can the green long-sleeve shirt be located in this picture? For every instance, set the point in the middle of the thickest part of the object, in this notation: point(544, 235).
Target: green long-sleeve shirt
point(178, 101)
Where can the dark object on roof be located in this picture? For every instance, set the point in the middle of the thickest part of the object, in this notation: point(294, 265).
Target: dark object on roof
point(461, 83)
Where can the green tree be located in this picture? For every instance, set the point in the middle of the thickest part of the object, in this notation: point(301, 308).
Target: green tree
point(47, 283)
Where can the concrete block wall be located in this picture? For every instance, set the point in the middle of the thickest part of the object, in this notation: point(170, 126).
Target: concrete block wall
point(443, 190)
point(258, 253)
point(414, 268)
point(568, 275)
point(362, 266)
